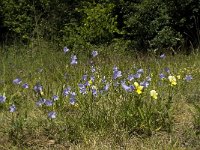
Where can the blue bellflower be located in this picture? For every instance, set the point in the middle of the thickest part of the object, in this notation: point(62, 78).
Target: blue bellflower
point(52, 115)
point(66, 91)
point(126, 87)
point(72, 98)
point(2, 99)
point(117, 74)
point(73, 60)
point(94, 53)
point(25, 86)
point(65, 49)
point(12, 108)
point(17, 81)
point(55, 98)
point(188, 78)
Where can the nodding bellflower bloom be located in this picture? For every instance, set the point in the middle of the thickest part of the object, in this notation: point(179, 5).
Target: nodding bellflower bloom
point(82, 88)
point(162, 56)
point(73, 60)
point(40, 102)
point(162, 76)
point(25, 86)
point(93, 69)
point(130, 77)
point(144, 84)
point(117, 74)
point(126, 87)
point(2, 98)
point(94, 53)
point(38, 89)
point(65, 49)
point(52, 114)
point(140, 71)
point(55, 98)
point(72, 98)
point(94, 91)
point(115, 69)
point(106, 87)
point(12, 108)
point(48, 102)
point(84, 78)
point(17, 81)
point(67, 91)
point(137, 75)
point(188, 78)
point(167, 70)
point(92, 78)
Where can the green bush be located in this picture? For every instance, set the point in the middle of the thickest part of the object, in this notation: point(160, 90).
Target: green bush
point(97, 26)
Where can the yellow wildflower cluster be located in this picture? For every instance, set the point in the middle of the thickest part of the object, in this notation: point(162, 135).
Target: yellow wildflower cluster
point(172, 80)
point(138, 87)
point(154, 94)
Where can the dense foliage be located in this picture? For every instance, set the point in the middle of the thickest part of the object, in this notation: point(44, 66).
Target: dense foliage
point(144, 24)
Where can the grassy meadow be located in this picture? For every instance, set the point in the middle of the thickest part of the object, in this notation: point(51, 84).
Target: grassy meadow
point(54, 98)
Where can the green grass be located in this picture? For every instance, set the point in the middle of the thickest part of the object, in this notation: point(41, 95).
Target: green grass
point(115, 119)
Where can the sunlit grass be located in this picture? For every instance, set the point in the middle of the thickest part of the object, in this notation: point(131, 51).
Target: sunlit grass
point(59, 98)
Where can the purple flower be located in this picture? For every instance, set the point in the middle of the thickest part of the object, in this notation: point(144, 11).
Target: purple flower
point(93, 69)
point(92, 78)
point(162, 76)
point(12, 108)
point(40, 102)
point(38, 88)
point(140, 71)
point(162, 56)
point(84, 78)
point(137, 75)
point(52, 115)
point(130, 77)
point(125, 87)
point(106, 87)
point(17, 81)
point(117, 74)
point(144, 84)
point(25, 86)
point(188, 78)
point(72, 98)
point(94, 53)
point(115, 69)
point(94, 91)
point(65, 49)
point(48, 103)
point(73, 60)
point(66, 91)
point(55, 98)
point(132, 88)
point(2, 99)
point(167, 70)
point(82, 88)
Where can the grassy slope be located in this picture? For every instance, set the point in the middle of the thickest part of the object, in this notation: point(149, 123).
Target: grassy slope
point(29, 127)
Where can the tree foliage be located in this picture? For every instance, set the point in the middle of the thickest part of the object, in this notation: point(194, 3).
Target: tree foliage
point(148, 24)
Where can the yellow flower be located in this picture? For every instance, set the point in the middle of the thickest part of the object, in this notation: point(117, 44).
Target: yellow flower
point(172, 80)
point(138, 87)
point(178, 77)
point(154, 94)
point(90, 82)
